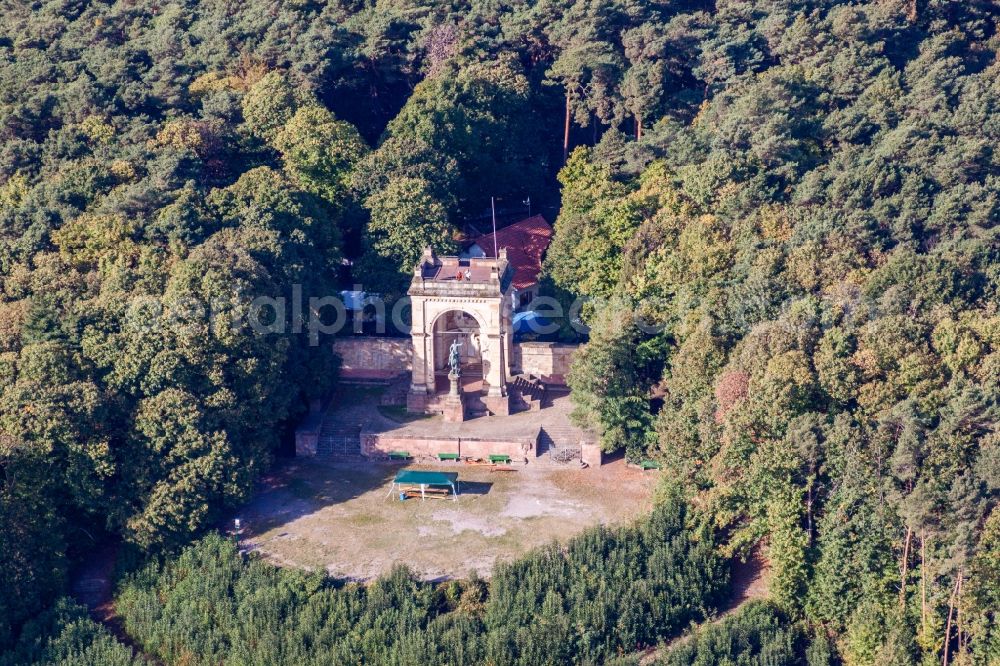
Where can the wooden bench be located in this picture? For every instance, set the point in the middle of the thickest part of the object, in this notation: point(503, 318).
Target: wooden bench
point(499, 458)
point(502, 468)
point(415, 494)
point(429, 490)
point(448, 456)
point(399, 455)
point(649, 464)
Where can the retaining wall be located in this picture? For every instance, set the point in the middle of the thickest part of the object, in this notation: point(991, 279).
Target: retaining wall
point(378, 445)
point(370, 357)
point(548, 360)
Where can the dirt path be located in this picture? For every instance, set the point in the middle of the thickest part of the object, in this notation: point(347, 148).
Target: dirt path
point(93, 587)
point(749, 582)
point(94, 581)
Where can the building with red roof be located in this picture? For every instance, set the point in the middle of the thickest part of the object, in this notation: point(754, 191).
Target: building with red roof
point(526, 242)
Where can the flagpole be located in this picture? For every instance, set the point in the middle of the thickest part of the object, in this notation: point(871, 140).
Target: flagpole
point(493, 207)
point(503, 341)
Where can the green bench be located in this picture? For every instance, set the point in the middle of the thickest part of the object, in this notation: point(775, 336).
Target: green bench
point(448, 456)
point(649, 464)
point(499, 458)
point(399, 455)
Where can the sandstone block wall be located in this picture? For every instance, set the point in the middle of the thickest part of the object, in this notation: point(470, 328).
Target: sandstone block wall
point(307, 434)
point(306, 443)
point(548, 360)
point(369, 357)
point(591, 454)
point(379, 445)
point(483, 448)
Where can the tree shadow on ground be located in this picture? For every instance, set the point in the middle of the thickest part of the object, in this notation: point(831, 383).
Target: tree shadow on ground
point(749, 580)
point(300, 487)
point(474, 487)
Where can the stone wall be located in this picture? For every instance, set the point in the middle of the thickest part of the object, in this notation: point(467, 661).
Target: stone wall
point(307, 434)
point(369, 357)
point(548, 360)
point(483, 448)
point(591, 454)
point(379, 445)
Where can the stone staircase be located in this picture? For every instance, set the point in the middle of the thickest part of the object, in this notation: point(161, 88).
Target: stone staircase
point(528, 391)
point(560, 444)
point(340, 435)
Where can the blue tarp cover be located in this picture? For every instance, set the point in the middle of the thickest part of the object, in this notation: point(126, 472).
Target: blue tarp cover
point(529, 322)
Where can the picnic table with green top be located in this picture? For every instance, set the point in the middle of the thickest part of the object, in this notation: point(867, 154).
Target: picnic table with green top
point(499, 458)
point(448, 456)
point(649, 464)
point(424, 484)
point(399, 455)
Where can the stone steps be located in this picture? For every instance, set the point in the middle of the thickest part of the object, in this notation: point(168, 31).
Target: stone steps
point(340, 434)
point(531, 389)
point(562, 436)
point(560, 444)
point(335, 426)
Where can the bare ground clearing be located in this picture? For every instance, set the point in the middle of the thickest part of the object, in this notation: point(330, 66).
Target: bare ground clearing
point(337, 516)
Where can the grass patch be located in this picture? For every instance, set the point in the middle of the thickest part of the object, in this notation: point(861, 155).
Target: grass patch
point(363, 520)
point(399, 414)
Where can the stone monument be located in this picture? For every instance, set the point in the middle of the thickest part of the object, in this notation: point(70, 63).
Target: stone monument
point(462, 330)
point(454, 405)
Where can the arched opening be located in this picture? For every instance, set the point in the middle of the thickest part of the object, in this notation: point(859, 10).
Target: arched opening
point(459, 326)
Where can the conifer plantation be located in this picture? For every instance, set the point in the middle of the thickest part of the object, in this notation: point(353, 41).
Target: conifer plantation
point(783, 217)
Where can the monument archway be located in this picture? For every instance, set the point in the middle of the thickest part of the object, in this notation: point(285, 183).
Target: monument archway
point(464, 299)
point(462, 327)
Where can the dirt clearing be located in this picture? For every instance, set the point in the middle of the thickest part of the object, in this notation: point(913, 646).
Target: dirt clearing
point(338, 516)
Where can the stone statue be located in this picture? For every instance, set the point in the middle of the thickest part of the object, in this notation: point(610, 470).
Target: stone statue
point(454, 359)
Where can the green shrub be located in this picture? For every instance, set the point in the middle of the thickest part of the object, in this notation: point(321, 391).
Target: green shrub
point(608, 592)
point(758, 635)
point(65, 636)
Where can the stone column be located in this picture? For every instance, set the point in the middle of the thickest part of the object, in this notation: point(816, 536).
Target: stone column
point(454, 403)
point(507, 326)
point(495, 374)
point(418, 395)
point(418, 380)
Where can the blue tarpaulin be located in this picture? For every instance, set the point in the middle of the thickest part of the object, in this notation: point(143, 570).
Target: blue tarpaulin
point(529, 322)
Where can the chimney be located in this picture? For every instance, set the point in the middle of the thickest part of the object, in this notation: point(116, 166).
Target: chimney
point(428, 259)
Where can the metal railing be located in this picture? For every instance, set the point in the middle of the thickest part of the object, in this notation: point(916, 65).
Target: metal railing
point(331, 445)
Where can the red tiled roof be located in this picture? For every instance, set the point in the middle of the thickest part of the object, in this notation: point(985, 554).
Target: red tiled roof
point(526, 242)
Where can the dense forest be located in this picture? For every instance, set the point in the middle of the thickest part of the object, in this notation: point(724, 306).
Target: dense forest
point(606, 593)
point(783, 215)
